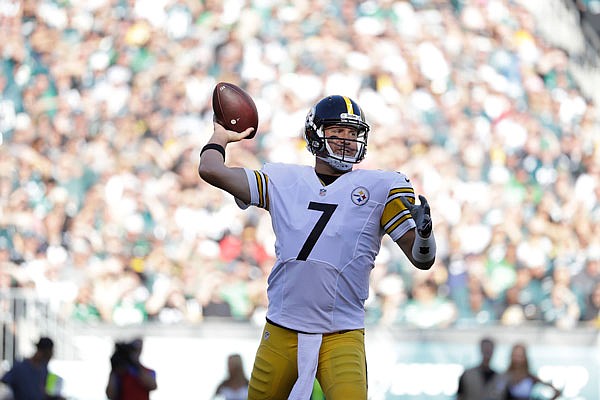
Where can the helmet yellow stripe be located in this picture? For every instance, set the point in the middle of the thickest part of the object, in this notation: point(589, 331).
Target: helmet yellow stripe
point(348, 105)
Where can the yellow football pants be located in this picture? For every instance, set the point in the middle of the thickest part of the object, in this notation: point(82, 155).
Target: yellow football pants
point(342, 369)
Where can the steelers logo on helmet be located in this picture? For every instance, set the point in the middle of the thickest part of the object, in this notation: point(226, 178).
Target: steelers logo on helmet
point(340, 152)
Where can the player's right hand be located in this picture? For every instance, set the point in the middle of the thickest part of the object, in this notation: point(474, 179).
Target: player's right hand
point(230, 136)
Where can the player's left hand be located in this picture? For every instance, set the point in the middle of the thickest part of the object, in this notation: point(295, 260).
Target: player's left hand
point(421, 214)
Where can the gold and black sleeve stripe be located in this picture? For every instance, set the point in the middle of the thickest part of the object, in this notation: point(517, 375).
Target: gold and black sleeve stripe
point(262, 183)
point(394, 212)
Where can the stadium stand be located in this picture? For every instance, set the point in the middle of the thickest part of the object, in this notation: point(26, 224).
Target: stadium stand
point(105, 104)
point(491, 106)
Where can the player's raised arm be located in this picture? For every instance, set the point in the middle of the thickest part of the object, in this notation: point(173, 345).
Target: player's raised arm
point(212, 168)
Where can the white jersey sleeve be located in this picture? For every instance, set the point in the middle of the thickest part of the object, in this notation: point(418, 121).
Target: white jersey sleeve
point(258, 183)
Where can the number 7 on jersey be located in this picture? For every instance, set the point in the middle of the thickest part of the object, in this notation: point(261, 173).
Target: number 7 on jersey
point(311, 240)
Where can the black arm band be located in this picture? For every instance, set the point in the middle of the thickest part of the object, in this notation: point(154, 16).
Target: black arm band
point(214, 146)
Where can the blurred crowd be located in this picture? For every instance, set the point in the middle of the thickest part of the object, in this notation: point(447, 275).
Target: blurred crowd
point(105, 104)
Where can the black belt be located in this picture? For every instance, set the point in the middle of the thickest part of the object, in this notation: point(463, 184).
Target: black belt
point(307, 333)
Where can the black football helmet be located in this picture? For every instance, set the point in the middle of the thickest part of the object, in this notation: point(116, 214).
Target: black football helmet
point(339, 111)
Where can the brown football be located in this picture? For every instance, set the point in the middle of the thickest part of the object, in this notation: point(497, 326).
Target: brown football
point(234, 108)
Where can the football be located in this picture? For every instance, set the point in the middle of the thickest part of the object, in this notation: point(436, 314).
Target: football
point(234, 108)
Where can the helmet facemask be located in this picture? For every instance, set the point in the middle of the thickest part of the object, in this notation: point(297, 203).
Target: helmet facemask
point(341, 152)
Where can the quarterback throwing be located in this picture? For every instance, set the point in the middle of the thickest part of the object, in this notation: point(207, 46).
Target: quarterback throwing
point(329, 221)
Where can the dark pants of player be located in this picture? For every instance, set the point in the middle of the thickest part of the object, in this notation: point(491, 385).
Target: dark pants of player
point(342, 369)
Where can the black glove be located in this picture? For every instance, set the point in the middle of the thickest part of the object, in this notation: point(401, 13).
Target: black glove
point(421, 214)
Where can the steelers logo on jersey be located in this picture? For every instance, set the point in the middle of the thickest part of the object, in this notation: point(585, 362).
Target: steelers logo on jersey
point(360, 196)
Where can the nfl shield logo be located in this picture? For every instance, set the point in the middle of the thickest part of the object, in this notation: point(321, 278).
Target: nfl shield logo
point(322, 192)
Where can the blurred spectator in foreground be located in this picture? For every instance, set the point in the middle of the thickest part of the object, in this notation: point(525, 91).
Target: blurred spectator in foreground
point(481, 382)
point(29, 379)
point(521, 383)
point(235, 386)
point(129, 378)
point(5, 392)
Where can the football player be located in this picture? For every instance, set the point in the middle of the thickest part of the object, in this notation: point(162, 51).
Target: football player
point(329, 221)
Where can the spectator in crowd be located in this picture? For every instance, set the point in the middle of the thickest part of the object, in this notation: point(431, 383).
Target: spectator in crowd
point(427, 308)
point(584, 281)
point(129, 378)
point(560, 307)
point(592, 309)
point(474, 307)
point(481, 382)
point(29, 379)
point(522, 301)
point(520, 380)
point(235, 385)
point(513, 313)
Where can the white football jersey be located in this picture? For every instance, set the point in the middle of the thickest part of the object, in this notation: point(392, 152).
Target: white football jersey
point(327, 238)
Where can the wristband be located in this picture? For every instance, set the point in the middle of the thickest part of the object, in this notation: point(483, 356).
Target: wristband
point(423, 249)
point(214, 146)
